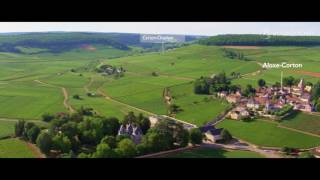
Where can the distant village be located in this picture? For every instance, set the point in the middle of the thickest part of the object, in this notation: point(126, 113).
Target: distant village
point(270, 102)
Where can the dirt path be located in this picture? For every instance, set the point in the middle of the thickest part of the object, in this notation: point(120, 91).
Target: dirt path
point(65, 101)
point(86, 87)
point(43, 83)
point(248, 147)
point(64, 92)
point(35, 150)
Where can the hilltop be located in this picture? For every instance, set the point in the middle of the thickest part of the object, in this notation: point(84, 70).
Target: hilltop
point(64, 41)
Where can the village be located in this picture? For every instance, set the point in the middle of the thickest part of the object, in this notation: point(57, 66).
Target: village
point(270, 102)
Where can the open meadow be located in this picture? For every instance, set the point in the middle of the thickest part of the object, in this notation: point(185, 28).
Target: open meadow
point(15, 148)
point(268, 134)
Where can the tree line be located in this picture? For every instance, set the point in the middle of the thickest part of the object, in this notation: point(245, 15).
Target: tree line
point(261, 40)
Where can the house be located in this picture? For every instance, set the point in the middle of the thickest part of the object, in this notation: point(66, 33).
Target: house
point(211, 133)
point(235, 115)
point(131, 130)
point(316, 152)
point(154, 120)
point(222, 94)
point(233, 98)
point(308, 88)
point(252, 104)
point(239, 113)
point(305, 97)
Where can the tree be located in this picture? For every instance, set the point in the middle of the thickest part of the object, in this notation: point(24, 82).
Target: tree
point(69, 129)
point(277, 85)
point(47, 117)
point(127, 148)
point(306, 155)
point(174, 109)
point(121, 137)
point(288, 81)
point(33, 133)
point(27, 127)
point(76, 96)
point(144, 123)
point(225, 135)
point(317, 107)
point(315, 93)
point(108, 126)
point(261, 83)
point(154, 74)
point(180, 135)
point(104, 151)
point(249, 91)
point(196, 136)
point(44, 142)
point(129, 118)
point(110, 140)
point(61, 143)
point(19, 128)
point(84, 155)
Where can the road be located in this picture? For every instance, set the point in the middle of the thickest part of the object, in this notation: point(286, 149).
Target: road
point(244, 147)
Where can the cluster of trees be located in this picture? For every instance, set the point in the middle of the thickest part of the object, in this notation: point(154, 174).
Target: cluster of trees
point(233, 54)
point(86, 135)
point(57, 42)
point(29, 131)
point(315, 96)
point(218, 83)
point(284, 110)
point(261, 40)
point(249, 91)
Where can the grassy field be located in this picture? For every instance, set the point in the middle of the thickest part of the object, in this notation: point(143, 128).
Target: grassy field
point(6, 128)
point(215, 153)
point(268, 134)
point(304, 122)
point(197, 109)
point(14, 148)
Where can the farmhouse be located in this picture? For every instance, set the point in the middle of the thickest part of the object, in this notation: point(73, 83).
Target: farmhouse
point(234, 98)
point(253, 104)
point(212, 134)
point(238, 113)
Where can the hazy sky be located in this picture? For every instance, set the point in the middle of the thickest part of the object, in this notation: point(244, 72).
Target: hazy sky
point(195, 28)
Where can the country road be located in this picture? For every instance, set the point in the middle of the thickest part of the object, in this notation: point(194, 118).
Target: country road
point(64, 92)
point(244, 147)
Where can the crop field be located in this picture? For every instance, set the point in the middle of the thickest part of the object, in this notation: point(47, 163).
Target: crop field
point(307, 56)
point(215, 153)
point(304, 122)
point(14, 148)
point(6, 128)
point(196, 109)
point(31, 84)
point(268, 134)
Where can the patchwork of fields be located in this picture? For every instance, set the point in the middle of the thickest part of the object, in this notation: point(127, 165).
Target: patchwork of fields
point(31, 85)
